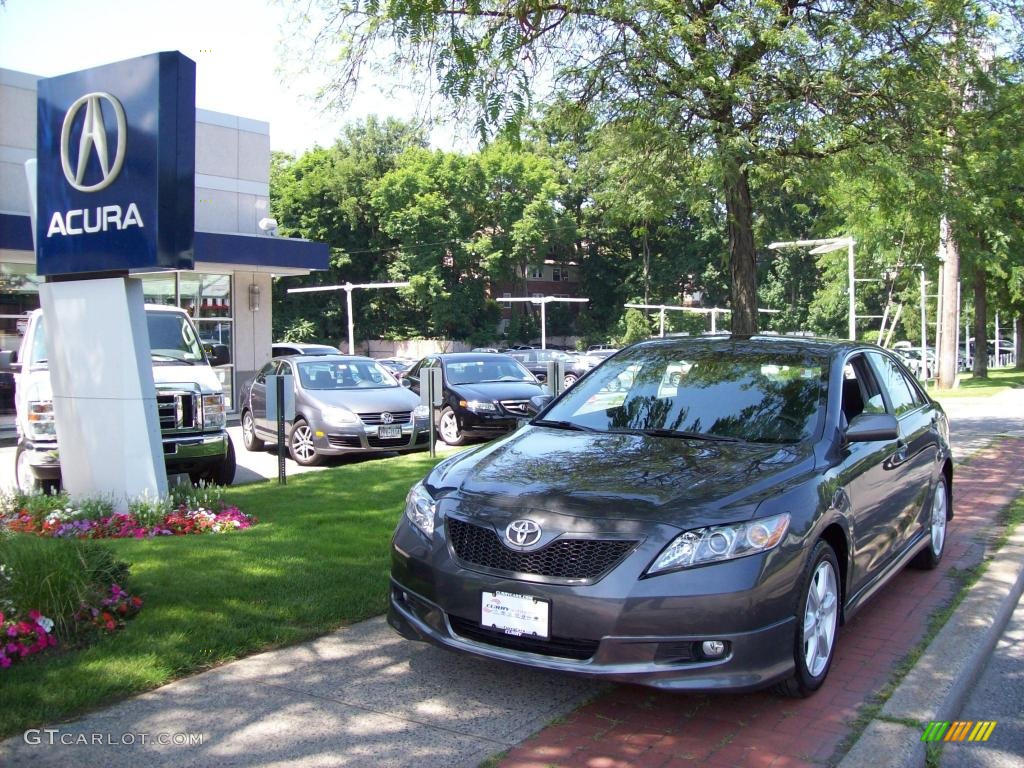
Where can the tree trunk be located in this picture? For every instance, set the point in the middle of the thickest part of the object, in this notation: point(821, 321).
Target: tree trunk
point(980, 324)
point(742, 265)
point(946, 349)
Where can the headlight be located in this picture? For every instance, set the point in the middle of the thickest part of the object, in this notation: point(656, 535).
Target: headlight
point(40, 419)
point(334, 415)
point(420, 508)
point(721, 542)
point(421, 412)
point(480, 406)
point(213, 411)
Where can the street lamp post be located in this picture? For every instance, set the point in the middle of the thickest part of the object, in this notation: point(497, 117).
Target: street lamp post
point(827, 245)
point(544, 301)
point(348, 288)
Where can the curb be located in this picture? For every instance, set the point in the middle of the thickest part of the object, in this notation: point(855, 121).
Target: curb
point(942, 679)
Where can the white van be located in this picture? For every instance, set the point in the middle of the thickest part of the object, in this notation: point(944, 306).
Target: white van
point(190, 403)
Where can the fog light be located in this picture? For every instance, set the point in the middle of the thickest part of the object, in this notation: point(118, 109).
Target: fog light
point(713, 648)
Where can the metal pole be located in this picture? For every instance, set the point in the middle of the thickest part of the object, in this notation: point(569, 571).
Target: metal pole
point(997, 341)
point(279, 393)
point(543, 325)
point(662, 323)
point(351, 320)
point(714, 317)
point(853, 305)
point(923, 369)
point(956, 365)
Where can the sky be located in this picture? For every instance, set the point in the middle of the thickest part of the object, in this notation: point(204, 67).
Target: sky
point(235, 44)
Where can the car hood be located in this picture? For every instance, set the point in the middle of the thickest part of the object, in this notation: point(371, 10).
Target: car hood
point(497, 390)
point(680, 482)
point(365, 400)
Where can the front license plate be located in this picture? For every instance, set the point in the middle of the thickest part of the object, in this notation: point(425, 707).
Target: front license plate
point(515, 614)
point(389, 433)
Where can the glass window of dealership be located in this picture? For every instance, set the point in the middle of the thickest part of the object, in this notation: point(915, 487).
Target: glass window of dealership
point(228, 294)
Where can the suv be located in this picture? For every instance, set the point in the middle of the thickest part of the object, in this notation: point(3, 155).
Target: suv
point(190, 404)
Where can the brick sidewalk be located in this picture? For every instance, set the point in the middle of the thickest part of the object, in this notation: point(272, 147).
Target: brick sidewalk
point(635, 727)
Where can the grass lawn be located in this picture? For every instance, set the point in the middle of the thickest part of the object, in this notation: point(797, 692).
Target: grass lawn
point(318, 559)
point(997, 381)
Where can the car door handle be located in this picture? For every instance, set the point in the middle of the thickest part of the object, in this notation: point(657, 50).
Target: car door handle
point(901, 451)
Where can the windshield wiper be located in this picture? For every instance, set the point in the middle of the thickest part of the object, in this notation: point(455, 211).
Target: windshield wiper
point(689, 435)
point(157, 355)
point(563, 425)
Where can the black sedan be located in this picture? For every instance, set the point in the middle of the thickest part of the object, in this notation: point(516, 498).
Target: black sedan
point(485, 394)
point(695, 514)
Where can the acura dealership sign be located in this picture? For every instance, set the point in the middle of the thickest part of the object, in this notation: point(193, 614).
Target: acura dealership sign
point(116, 168)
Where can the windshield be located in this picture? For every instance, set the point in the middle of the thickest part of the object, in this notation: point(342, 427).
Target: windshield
point(172, 339)
point(495, 368)
point(344, 374)
point(733, 392)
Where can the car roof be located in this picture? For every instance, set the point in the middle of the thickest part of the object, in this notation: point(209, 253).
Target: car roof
point(335, 358)
point(468, 357)
point(814, 345)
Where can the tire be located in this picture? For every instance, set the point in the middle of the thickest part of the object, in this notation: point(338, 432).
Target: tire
point(938, 516)
point(448, 428)
point(569, 380)
point(817, 623)
point(300, 445)
point(249, 438)
point(219, 474)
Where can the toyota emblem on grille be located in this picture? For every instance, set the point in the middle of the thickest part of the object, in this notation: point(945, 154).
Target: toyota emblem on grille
point(386, 418)
point(522, 533)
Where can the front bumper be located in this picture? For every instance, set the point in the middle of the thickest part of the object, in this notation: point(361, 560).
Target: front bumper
point(43, 459)
point(476, 424)
point(191, 453)
point(622, 627)
point(333, 440)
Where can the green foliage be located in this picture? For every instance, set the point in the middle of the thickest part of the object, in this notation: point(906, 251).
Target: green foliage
point(301, 330)
point(55, 576)
point(636, 327)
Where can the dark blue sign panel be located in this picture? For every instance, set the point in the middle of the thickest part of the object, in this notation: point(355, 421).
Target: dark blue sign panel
point(116, 167)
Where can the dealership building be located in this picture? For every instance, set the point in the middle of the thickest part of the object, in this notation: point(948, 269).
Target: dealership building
point(227, 294)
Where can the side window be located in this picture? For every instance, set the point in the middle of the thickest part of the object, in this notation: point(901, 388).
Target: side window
point(861, 393)
point(266, 370)
point(902, 393)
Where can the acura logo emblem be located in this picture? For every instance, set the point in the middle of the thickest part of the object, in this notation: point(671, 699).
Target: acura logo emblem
point(522, 533)
point(386, 418)
point(93, 141)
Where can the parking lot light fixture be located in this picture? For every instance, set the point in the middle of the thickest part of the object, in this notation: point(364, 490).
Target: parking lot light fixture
point(827, 245)
point(348, 288)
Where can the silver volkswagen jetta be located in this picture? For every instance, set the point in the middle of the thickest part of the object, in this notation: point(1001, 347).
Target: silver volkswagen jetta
point(343, 404)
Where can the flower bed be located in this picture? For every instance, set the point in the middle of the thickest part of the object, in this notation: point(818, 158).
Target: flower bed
point(200, 511)
point(19, 639)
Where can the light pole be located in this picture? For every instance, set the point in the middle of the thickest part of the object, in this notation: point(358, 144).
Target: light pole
point(348, 288)
point(713, 311)
point(827, 245)
point(544, 301)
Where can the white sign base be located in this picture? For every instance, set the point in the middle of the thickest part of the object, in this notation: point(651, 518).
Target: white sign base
point(104, 400)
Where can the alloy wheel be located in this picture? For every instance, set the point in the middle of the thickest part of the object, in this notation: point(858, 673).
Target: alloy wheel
point(302, 444)
point(939, 519)
point(820, 618)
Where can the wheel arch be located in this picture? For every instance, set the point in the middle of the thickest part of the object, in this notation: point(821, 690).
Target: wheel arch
point(836, 537)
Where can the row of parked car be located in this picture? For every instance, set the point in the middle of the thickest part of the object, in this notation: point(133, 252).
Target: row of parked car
point(346, 403)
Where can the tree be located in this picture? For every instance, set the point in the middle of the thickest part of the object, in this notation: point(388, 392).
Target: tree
point(737, 86)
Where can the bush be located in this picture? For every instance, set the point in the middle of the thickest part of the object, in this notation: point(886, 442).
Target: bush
point(55, 577)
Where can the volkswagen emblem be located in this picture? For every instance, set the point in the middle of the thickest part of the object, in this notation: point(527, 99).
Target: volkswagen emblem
point(93, 141)
point(522, 533)
point(386, 418)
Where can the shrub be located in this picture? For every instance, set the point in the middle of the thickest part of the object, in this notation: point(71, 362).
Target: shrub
point(55, 577)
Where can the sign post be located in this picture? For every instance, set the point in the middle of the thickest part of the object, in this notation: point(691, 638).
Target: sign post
point(280, 409)
point(431, 396)
point(115, 182)
point(556, 377)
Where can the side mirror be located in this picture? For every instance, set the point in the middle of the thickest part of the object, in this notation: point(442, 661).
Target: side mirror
point(9, 361)
point(541, 377)
point(869, 427)
point(407, 383)
point(538, 403)
point(218, 354)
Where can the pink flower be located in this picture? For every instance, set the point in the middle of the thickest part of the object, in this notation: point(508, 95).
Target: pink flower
point(4, 662)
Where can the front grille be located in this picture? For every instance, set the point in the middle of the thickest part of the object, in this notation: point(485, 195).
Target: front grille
point(398, 417)
point(343, 441)
point(375, 442)
point(564, 647)
point(178, 411)
point(516, 407)
point(562, 558)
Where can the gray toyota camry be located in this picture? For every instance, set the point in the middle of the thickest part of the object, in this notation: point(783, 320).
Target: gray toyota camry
point(695, 514)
